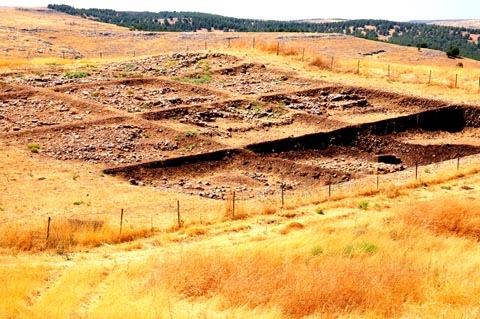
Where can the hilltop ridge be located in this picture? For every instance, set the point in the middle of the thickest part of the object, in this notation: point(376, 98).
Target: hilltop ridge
point(419, 35)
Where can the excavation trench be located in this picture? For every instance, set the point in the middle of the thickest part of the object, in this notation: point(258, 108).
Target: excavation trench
point(309, 160)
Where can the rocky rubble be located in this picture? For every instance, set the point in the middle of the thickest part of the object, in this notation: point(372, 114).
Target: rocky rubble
point(325, 102)
point(170, 65)
point(248, 82)
point(162, 65)
point(207, 189)
point(256, 116)
point(113, 145)
point(28, 113)
point(54, 79)
point(350, 165)
point(142, 98)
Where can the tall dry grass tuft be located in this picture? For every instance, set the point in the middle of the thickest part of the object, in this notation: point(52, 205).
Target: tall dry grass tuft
point(234, 209)
point(290, 50)
point(268, 47)
point(320, 62)
point(446, 216)
point(327, 285)
point(67, 235)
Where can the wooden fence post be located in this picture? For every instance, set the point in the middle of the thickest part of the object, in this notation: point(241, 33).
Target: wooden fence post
point(48, 227)
point(121, 220)
point(458, 163)
point(358, 67)
point(456, 80)
point(329, 186)
point(233, 205)
point(416, 170)
point(283, 194)
point(303, 56)
point(430, 77)
point(178, 214)
point(331, 65)
point(253, 43)
point(278, 48)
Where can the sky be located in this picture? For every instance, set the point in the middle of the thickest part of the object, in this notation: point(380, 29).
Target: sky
point(405, 10)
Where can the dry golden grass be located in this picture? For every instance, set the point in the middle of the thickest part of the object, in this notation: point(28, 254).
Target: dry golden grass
point(20, 283)
point(67, 235)
point(363, 264)
point(447, 216)
point(298, 286)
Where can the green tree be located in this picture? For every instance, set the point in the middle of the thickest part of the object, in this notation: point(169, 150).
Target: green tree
point(453, 52)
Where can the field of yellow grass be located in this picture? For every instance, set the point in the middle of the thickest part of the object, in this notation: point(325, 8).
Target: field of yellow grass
point(400, 250)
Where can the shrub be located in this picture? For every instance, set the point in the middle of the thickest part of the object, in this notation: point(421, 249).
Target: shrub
point(360, 249)
point(146, 106)
point(363, 205)
point(320, 62)
point(453, 52)
point(316, 250)
point(191, 133)
point(76, 75)
point(34, 148)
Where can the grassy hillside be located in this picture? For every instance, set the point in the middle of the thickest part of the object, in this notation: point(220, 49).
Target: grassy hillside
point(419, 35)
point(401, 245)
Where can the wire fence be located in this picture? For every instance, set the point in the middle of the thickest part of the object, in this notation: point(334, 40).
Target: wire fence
point(176, 214)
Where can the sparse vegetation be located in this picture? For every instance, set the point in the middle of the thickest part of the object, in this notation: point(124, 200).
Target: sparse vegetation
point(76, 74)
point(317, 250)
point(360, 249)
point(191, 133)
point(363, 205)
point(146, 106)
point(190, 147)
point(34, 148)
point(199, 79)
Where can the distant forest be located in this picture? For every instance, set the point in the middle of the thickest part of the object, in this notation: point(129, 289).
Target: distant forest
point(419, 35)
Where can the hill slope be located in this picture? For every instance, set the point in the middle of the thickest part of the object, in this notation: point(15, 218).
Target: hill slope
point(78, 243)
point(402, 33)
